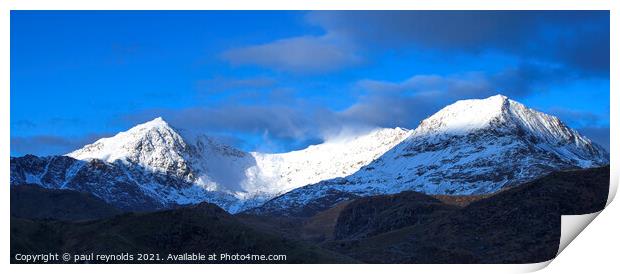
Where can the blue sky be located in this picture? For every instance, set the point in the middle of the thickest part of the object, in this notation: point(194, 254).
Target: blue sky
point(280, 80)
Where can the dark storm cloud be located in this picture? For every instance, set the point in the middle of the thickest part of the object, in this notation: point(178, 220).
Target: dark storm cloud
point(444, 29)
point(578, 39)
point(589, 51)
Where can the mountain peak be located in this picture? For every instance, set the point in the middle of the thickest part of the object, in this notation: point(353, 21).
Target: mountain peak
point(466, 115)
point(158, 121)
point(153, 145)
point(500, 113)
point(470, 146)
point(497, 97)
point(155, 123)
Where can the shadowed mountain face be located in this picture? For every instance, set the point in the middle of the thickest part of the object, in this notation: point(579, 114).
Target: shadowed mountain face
point(34, 202)
point(518, 225)
point(297, 206)
point(369, 216)
point(203, 228)
point(471, 147)
point(111, 182)
point(481, 181)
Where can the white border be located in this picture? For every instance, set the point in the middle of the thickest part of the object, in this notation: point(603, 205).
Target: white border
point(611, 219)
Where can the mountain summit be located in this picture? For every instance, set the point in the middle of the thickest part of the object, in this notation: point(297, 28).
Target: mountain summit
point(153, 145)
point(469, 147)
point(158, 147)
point(504, 117)
point(175, 166)
point(465, 116)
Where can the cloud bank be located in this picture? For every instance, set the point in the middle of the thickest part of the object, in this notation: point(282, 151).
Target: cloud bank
point(305, 54)
point(578, 40)
point(552, 47)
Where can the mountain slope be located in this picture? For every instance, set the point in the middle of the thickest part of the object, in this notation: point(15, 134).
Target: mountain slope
point(518, 225)
point(480, 146)
point(126, 186)
point(158, 148)
point(202, 228)
point(154, 166)
point(153, 145)
point(34, 202)
point(469, 147)
point(334, 158)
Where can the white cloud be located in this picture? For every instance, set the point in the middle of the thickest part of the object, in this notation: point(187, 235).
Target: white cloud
point(304, 54)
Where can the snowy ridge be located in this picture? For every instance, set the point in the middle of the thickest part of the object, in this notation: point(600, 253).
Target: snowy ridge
point(469, 147)
point(463, 116)
point(332, 159)
point(153, 145)
point(208, 166)
point(502, 114)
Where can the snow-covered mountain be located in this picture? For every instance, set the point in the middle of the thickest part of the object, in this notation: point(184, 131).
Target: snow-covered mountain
point(334, 158)
point(127, 187)
point(158, 148)
point(469, 147)
point(164, 166)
